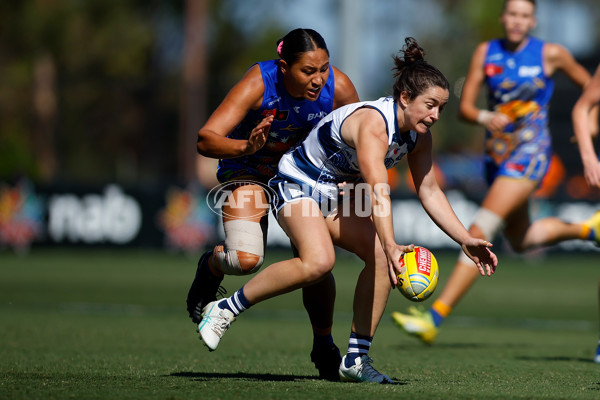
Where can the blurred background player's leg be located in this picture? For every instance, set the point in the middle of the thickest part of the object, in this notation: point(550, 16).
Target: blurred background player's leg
point(508, 198)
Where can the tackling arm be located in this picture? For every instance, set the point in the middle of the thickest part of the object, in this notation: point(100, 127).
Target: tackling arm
point(244, 96)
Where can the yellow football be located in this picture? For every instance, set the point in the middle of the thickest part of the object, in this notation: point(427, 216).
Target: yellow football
point(420, 276)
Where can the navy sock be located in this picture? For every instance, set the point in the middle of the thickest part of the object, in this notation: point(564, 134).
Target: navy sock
point(358, 346)
point(320, 341)
point(237, 303)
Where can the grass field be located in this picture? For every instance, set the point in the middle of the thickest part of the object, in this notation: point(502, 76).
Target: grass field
point(100, 324)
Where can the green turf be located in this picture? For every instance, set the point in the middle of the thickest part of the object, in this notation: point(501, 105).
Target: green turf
point(112, 325)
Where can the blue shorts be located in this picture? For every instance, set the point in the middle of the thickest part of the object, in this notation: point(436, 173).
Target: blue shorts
point(528, 159)
point(231, 170)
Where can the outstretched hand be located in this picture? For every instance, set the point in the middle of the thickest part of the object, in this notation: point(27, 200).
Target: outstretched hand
point(591, 172)
point(479, 251)
point(258, 136)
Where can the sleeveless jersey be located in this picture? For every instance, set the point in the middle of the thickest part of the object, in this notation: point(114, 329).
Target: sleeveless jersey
point(293, 120)
point(518, 88)
point(323, 160)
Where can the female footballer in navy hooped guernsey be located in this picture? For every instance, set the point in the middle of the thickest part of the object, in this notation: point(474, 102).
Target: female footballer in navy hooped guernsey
point(356, 143)
point(270, 110)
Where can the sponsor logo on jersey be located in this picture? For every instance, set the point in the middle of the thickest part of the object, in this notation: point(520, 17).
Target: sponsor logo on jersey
point(280, 115)
point(319, 115)
point(274, 101)
point(532, 71)
point(492, 69)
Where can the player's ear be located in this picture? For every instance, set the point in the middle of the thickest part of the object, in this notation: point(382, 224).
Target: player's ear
point(284, 67)
point(404, 99)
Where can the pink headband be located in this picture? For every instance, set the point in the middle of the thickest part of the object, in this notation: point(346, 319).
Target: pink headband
point(279, 48)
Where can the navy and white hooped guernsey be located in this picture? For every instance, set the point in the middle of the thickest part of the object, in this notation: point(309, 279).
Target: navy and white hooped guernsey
point(314, 168)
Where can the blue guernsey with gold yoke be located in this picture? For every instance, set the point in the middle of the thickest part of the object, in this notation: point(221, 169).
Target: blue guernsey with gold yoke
point(294, 118)
point(519, 89)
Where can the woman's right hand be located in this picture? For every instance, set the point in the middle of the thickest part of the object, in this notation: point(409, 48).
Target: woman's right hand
point(394, 254)
point(591, 172)
point(496, 122)
point(258, 136)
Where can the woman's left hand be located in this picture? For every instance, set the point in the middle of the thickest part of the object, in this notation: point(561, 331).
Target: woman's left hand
point(479, 251)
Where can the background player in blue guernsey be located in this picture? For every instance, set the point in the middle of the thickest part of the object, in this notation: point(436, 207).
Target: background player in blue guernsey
point(356, 144)
point(271, 109)
point(517, 71)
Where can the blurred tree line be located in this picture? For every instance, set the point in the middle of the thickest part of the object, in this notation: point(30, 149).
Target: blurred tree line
point(93, 91)
point(105, 90)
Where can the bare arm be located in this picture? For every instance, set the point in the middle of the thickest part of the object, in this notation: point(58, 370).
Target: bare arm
point(345, 92)
point(474, 81)
point(365, 130)
point(436, 205)
point(582, 122)
point(558, 58)
point(245, 95)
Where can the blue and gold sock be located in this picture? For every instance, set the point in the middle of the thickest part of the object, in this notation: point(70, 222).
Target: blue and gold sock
point(439, 311)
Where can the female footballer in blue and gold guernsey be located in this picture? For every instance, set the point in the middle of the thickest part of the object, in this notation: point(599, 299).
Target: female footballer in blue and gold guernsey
point(292, 120)
point(520, 90)
point(270, 110)
point(517, 71)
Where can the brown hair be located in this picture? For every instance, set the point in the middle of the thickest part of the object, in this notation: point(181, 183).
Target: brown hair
point(506, 2)
point(413, 74)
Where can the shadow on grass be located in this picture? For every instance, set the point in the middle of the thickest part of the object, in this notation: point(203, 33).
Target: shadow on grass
point(206, 376)
point(555, 358)
point(463, 345)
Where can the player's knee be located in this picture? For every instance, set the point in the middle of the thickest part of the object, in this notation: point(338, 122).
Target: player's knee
point(318, 268)
point(486, 226)
point(235, 262)
point(244, 248)
point(249, 263)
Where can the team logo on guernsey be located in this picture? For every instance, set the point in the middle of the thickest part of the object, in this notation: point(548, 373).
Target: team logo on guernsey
point(221, 198)
point(493, 69)
point(280, 115)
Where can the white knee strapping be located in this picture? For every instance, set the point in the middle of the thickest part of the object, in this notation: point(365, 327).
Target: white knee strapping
point(240, 235)
point(489, 223)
